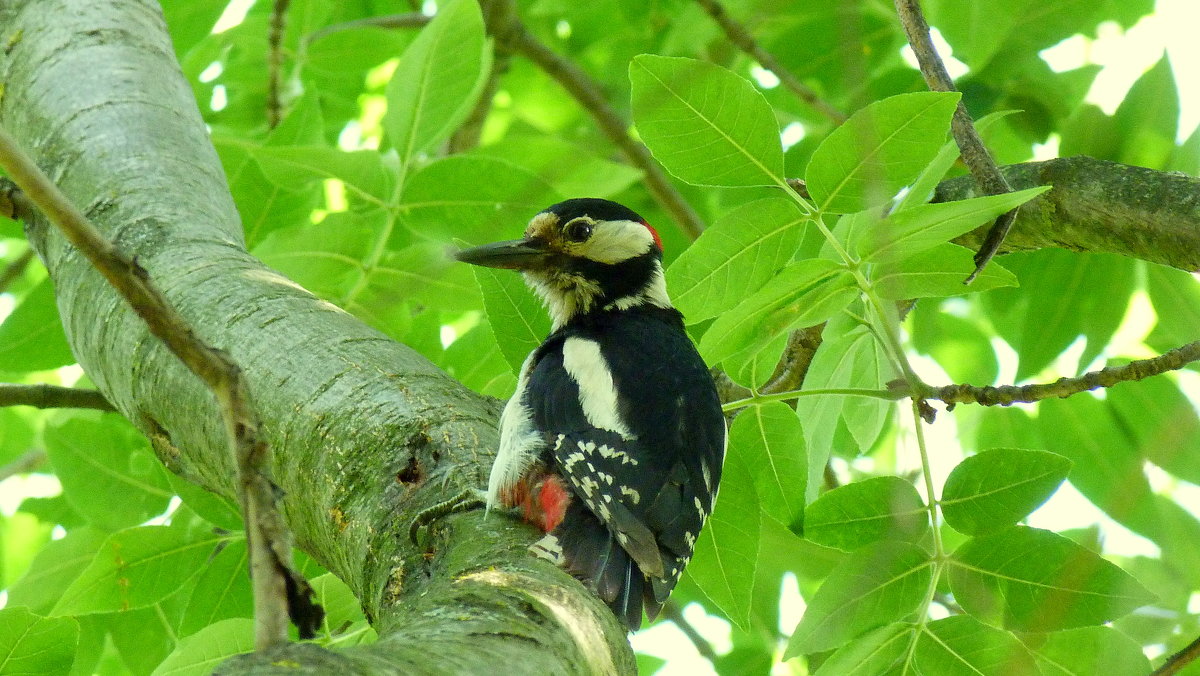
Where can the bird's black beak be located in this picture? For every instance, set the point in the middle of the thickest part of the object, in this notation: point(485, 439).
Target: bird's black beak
point(517, 254)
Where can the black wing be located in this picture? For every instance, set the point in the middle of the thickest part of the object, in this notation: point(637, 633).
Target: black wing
point(646, 495)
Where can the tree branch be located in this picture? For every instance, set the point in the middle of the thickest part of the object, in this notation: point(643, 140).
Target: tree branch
point(1101, 207)
point(52, 396)
point(347, 410)
point(15, 269)
point(1176, 662)
point(512, 33)
point(408, 20)
point(671, 611)
point(744, 41)
point(974, 153)
point(26, 462)
point(1006, 395)
point(275, 63)
point(270, 542)
point(13, 203)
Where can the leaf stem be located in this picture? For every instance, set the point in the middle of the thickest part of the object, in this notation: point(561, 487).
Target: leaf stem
point(890, 395)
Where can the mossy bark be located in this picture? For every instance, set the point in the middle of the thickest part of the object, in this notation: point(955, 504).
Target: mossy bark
point(365, 432)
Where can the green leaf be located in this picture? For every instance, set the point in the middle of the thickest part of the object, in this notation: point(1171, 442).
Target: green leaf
point(477, 199)
point(222, 590)
point(262, 205)
point(875, 652)
point(135, 568)
point(734, 257)
point(997, 488)
point(849, 357)
point(424, 274)
point(1090, 650)
point(36, 645)
point(727, 550)
point(16, 434)
point(201, 653)
point(879, 150)
point(1063, 295)
point(926, 226)
point(938, 272)
point(706, 125)
point(350, 51)
point(879, 584)
point(958, 345)
point(32, 338)
point(216, 509)
point(516, 315)
point(326, 258)
point(107, 470)
point(769, 438)
point(857, 514)
point(1148, 118)
point(570, 169)
point(922, 188)
point(438, 79)
point(1026, 579)
point(54, 568)
point(361, 171)
point(754, 366)
point(804, 293)
point(341, 606)
point(961, 645)
point(1106, 467)
point(1176, 298)
point(1163, 422)
point(475, 360)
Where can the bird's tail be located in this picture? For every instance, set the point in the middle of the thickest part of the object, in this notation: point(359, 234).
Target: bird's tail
point(590, 552)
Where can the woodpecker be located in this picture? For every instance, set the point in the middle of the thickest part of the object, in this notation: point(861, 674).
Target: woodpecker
point(614, 439)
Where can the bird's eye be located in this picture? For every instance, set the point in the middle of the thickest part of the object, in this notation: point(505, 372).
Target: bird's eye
point(578, 230)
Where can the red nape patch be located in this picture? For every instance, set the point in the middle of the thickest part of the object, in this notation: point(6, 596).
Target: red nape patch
point(554, 498)
point(654, 234)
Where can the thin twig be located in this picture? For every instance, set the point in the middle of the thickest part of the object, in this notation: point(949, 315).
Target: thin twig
point(26, 462)
point(742, 38)
point(591, 98)
point(275, 583)
point(1175, 663)
point(1064, 387)
point(468, 134)
point(14, 269)
point(1003, 395)
point(974, 153)
point(409, 20)
point(671, 611)
point(275, 63)
point(52, 396)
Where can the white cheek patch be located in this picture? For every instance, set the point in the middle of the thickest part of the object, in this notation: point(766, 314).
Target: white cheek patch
point(615, 241)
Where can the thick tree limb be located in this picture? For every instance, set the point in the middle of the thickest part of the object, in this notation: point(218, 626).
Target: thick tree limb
point(1100, 207)
point(52, 396)
point(345, 409)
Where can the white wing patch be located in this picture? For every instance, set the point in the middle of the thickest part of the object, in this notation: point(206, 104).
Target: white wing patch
point(597, 393)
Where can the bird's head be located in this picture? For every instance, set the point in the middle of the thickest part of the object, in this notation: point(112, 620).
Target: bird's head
point(583, 255)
